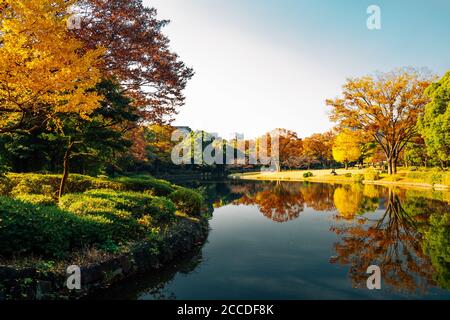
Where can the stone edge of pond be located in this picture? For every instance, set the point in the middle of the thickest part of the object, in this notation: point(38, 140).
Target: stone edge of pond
point(30, 284)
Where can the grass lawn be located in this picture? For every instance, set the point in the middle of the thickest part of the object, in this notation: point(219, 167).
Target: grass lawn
point(420, 178)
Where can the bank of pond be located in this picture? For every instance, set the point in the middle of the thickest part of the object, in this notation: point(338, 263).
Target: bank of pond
point(109, 228)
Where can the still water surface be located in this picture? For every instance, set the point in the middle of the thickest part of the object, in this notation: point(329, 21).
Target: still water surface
point(310, 241)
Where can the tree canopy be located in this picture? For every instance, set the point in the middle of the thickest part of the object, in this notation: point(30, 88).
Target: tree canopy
point(386, 107)
point(435, 123)
point(43, 72)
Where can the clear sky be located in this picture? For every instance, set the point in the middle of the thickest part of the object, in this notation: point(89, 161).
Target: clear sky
point(266, 64)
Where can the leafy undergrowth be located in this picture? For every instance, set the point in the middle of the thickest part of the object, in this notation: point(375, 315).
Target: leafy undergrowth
point(99, 218)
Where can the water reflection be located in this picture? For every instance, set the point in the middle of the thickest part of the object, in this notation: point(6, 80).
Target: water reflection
point(405, 232)
point(392, 242)
point(410, 241)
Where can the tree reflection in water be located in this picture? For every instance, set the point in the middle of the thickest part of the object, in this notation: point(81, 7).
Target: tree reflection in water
point(280, 203)
point(409, 242)
point(392, 242)
point(404, 232)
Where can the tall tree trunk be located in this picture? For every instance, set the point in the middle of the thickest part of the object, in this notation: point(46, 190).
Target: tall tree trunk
point(346, 165)
point(66, 168)
point(390, 166)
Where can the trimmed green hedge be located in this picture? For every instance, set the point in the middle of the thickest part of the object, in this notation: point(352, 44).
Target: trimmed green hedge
point(146, 183)
point(308, 175)
point(95, 212)
point(49, 231)
point(48, 184)
point(431, 177)
point(188, 201)
point(136, 205)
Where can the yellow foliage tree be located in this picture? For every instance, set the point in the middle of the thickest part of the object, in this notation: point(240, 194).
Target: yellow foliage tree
point(347, 147)
point(44, 72)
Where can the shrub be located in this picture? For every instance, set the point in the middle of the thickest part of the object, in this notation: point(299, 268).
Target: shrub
point(188, 201)
point(308, 175)
point(5, 185)
point(447, 179)
point(138, 204)
point(162, 209)
point(417, 175)
point(46, 230)
point(436, 177)
point(123, 227)
point(36, 199)
point(126, 210)
point(46, 184)
point(358, 178)
point(147, 183)
point(371, 175)
point(348, 175)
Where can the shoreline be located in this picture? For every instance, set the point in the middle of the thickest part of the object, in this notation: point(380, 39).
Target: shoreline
point(332, 179)
point(29, 283)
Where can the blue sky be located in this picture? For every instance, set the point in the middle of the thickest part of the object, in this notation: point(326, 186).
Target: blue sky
point(266, 64)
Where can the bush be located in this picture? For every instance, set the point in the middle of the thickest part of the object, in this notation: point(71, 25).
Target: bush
point(125, 209)
point(46, 184)
point(123, 227)
point(188, 201)
point(147, 183)
point(436, 177)
point(36, 199)
point(371, 175)
point(417, 175)
point(162, 209)
point(46, 230)
point(5, 185)
point(348, 175)
point(358, 178)
point(447, 179)
point(308, 175)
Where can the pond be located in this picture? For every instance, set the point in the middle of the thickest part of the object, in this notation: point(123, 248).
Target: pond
point(286, 240)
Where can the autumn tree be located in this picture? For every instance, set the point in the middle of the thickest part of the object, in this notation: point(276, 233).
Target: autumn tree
point(290, 148)
point(435, 123)
point(318, 148)
point(347, 147)
point(159, 145)
point(137, 54)
point(43, 72)
point(386, 107)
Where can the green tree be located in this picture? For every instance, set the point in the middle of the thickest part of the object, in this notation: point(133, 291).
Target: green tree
point(435, 123)
point(101, 136)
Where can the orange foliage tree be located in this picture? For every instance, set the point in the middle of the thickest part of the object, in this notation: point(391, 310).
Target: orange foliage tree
point(386, 107)
point(137, 54)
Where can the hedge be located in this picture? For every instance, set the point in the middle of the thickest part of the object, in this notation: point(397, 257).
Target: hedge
point(188, 201)
point(44, 230)
point(48, 184)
